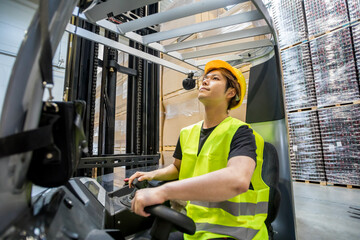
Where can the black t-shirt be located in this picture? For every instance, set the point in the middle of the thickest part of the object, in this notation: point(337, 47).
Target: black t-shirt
point(242, 143)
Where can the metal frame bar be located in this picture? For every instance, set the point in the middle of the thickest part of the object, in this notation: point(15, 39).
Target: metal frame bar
point(130, 35)
point(118, 161)
point(119, 68)
point(262, 9)
point(252, 32)
point(122, 47)
point(133, 17)
point(176, 13)
point(130, 109)
point(228, 58)
point(204, 26)
point(99, 9)
point(227, 49)
point(237, 58)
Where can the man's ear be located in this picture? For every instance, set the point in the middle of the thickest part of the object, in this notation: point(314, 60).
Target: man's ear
point(231, 92)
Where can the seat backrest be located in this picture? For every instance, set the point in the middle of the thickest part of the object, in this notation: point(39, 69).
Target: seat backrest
point(270, 174)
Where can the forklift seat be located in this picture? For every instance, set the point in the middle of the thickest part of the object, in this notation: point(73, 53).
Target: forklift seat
point(270, 175)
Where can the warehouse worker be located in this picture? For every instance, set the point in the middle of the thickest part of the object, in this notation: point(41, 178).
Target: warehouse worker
point(218, 162)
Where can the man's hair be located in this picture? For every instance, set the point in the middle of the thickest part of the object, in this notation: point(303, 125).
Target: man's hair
point(231, 81)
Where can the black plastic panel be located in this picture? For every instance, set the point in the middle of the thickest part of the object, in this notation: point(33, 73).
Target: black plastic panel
point(265, 97)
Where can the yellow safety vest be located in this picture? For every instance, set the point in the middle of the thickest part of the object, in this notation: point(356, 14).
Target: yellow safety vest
point(241, 217)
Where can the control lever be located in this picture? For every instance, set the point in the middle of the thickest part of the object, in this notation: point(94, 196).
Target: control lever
point(139, 184)
point(126, 200)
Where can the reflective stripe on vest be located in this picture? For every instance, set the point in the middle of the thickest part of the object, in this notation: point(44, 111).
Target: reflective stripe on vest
point(241, 217)
point(240, 233)
point(235, 208)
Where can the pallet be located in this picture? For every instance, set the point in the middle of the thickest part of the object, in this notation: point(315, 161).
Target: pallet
point(349, 186)
point(345, 25)
point(322, 183)
point(303, 110)
point(310, 38)
point(329, 31)
point(293, 45)
point(323, 34)
point(340, 104)
point(354, 22)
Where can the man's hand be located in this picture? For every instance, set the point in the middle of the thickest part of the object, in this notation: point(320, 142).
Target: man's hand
point(141, 177)
point(168, 173)
point(147, 197)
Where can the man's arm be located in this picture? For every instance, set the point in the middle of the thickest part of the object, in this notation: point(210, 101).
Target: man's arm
point(168, 173)
point(216, 186)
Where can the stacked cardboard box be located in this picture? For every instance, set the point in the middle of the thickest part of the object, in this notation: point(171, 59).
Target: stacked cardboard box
point(341, 143)
point(356, 40)
point(289, 19)
point(298, 77)
point(305, 147)
point(334, 68)
point(354, 9)
point(324, 15)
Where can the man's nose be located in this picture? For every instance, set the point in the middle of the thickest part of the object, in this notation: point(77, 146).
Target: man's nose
point(205, 81)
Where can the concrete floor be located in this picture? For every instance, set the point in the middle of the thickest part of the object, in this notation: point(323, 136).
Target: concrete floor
point(326, 212)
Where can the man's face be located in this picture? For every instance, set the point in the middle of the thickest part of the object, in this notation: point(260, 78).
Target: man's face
point(212, 88)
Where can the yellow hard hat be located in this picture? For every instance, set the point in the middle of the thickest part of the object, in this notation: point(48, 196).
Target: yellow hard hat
point(215, 64)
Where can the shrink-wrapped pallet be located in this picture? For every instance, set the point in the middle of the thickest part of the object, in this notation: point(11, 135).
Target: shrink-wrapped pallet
point(341, 143)
point(305, 147)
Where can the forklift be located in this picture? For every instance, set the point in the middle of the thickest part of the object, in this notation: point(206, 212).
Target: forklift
point(48, 145)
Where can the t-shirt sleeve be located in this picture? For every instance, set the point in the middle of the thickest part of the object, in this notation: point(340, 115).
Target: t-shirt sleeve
point(243, 143)
point(178, 152)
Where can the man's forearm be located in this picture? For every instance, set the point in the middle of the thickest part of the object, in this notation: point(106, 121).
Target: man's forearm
point(166, 174)
point(215, 186)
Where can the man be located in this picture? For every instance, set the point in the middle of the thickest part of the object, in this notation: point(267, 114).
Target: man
point(218, 163)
